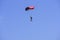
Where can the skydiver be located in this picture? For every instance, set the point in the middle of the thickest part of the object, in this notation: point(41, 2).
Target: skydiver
point(30, 18)
point(29, 8)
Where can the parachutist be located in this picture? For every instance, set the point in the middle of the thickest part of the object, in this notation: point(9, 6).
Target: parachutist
point(30, 8)
point(30, 18)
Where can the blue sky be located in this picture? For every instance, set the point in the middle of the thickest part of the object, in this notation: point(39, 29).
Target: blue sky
point(15, 23)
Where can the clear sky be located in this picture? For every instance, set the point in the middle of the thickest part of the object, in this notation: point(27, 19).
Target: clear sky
point(15, 23)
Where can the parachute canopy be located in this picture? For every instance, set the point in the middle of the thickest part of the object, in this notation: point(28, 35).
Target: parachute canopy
point(29, 8)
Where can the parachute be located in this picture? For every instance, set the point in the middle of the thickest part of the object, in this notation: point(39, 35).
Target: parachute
point(29, 8)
